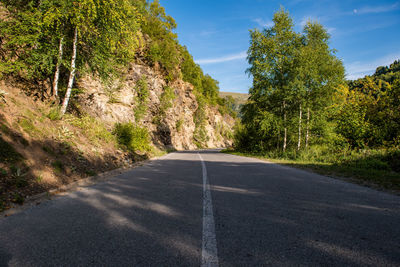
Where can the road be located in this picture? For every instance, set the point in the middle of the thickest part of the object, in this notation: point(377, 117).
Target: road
point(226, 211)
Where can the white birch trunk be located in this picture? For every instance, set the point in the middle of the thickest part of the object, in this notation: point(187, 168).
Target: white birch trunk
point(299, 141)
point(307, 127)
point(285, 129)
point(57, 73)
point(71, 75)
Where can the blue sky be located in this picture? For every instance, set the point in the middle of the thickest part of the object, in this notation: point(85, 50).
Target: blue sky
point(365, 33)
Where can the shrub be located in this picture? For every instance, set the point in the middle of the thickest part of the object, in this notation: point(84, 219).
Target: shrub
point(166, 102)
point(142, 98)
point(179, 125)
point(132, 137)
point(54, 114)
point(200, 136)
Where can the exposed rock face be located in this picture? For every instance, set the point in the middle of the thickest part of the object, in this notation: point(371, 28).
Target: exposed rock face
point(175, 129)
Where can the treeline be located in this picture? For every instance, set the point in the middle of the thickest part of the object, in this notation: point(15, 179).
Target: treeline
point(300, 98)
point(50, 42)
point(367, 110)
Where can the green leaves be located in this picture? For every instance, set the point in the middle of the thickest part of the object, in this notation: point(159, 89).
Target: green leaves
point(290, 70)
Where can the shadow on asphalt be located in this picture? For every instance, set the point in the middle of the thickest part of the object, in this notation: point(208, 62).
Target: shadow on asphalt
point(265, 214)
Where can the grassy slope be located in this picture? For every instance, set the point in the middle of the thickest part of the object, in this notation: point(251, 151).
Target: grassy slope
point(376, 169)
point(39, 152)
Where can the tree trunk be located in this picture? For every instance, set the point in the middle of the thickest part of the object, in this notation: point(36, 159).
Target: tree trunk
point(307, 127)
point(71, 75)
point(279, 137)
point(284, 125)
point(57, 73)
point(299, 142)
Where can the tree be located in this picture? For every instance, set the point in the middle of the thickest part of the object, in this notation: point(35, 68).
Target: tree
point(318, 73)
point(271, 57)
point(290, 72)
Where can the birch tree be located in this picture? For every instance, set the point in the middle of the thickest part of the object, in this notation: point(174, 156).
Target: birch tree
point(271, 57)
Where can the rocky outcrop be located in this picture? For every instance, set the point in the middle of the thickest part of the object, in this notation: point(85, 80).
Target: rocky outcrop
point(117, 102)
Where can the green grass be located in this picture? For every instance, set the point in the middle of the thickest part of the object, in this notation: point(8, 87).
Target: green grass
point(377, 168)
point(27, 126)
point(54, 114)
point(95, 130)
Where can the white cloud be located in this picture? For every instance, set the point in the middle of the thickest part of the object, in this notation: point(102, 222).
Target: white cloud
point(264, 23)
point(359, 69)
point(240, 55)
point(376, 9)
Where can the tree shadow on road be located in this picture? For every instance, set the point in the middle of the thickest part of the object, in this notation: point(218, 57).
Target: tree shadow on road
point(265, 214)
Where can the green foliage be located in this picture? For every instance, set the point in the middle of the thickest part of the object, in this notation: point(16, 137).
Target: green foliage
point(38, 36)
point(379, 167)
point(292, 74)
point(36, 33)
point(167, 97)
point(142, 98)
point(95, 130)
point(54, 114)
point(179, 125)
point(227, 105)
point(166, 102)
point(28, 126)
point(200, 136)
point(132, 137)
point(163, 44)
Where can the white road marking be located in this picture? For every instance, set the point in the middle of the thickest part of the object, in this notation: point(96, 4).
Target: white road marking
point(209, 255)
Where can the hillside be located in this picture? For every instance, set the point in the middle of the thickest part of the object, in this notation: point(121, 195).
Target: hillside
point(235, 100)
point(240, 98)
point(74, 103)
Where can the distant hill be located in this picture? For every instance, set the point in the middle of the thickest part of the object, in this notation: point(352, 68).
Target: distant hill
point(239, 99)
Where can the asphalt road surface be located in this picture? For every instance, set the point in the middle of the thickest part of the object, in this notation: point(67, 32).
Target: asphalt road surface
point(208, 208)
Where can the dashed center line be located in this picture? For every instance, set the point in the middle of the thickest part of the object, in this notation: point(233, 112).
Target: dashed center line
point(209, 255)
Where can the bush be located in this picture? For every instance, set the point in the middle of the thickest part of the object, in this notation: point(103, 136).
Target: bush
point(132, 137)
point(54, 114)
point(179, 125)
point(200, 136)
point(166, 102)
point(142, 98)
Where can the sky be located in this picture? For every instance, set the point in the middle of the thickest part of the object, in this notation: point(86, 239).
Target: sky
point(366, 34)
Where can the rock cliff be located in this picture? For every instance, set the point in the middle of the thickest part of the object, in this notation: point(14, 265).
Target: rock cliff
point(117, 102)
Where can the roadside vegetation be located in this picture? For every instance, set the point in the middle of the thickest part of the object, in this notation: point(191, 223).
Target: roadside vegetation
point(50, 43)
point(46, 138)
point(301, 111)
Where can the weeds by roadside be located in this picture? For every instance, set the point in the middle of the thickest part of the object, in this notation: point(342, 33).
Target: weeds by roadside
point(375, 167)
